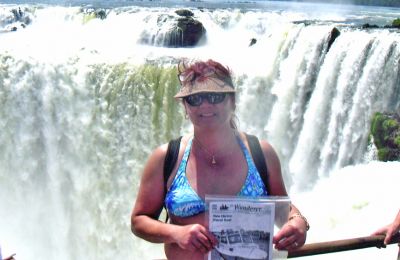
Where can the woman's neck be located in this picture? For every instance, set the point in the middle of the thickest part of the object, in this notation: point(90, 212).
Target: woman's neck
point(214, 147)
point(215, 141)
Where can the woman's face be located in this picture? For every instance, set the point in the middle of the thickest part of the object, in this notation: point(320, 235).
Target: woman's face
point(210, 109)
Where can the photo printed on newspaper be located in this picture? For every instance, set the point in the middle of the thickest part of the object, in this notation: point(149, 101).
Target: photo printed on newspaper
point(243, 227)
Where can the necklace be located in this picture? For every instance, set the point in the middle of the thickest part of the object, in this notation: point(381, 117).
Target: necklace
point(213, 160)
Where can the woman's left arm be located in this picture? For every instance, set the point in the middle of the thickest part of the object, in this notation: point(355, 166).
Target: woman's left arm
point(293, 234)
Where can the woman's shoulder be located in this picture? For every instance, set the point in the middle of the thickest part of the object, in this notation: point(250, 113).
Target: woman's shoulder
point(267, 149)
point(265, 145)
point(161, 151)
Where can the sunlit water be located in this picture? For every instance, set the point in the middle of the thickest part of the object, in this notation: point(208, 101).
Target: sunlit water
point(83, 104)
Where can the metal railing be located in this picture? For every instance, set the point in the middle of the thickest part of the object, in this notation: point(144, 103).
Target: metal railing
point(343, 245)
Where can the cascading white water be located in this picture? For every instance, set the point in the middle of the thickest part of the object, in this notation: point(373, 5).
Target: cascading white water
point(83, 104)
point(360, 75)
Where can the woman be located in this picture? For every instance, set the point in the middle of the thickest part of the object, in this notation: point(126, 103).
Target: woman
point(213, 160)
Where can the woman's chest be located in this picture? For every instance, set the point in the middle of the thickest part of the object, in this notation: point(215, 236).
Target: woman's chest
point(218, 179)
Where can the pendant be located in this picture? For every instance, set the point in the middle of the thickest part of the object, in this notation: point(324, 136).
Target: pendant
point(213, 162)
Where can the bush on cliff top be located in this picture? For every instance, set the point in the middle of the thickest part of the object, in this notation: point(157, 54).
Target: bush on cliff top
point(385, 129)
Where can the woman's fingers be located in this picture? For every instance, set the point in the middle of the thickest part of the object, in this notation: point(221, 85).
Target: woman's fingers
point(289, 238)
point(196, 237)
point(286, 242)
point(201, 246)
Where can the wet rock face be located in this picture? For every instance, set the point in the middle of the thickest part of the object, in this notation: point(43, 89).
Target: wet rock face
point(184, 12)
point(16, 19)
point(385, 130)
point(332, 37)
point(187, 32)
point(94, 13)
point(174, 31)
point(21, 16)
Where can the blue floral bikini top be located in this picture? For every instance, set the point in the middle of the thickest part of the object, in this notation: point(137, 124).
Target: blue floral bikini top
point(182, 201)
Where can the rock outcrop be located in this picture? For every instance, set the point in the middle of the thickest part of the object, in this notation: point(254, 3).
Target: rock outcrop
point(17, 19)
point(332, 37)
point(174, 31)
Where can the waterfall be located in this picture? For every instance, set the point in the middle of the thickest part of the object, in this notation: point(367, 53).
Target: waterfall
point(359, 77)
point(84, 102)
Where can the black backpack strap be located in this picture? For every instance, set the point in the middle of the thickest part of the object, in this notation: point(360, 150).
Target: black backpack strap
point(170, 160)
point(259, 159)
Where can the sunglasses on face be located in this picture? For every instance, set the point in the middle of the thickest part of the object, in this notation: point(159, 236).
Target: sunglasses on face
point(212, 98)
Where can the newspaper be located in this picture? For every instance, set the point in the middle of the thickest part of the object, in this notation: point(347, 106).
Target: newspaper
point(243, 227)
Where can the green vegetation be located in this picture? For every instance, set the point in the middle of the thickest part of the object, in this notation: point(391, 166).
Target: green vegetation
point(397, 141)
point(396, 22)
point(138, 100)
point(385, 129)
point(360, 205)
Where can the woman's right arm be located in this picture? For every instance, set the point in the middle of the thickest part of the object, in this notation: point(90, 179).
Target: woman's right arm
point(149, 202)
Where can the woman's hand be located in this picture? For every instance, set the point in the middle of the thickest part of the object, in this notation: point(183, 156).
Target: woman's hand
point(292, 235)
point(11, 257)
point(389, 230)
point(195, 237)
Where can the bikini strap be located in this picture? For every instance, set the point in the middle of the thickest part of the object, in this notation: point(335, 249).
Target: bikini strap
point(245, 151)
